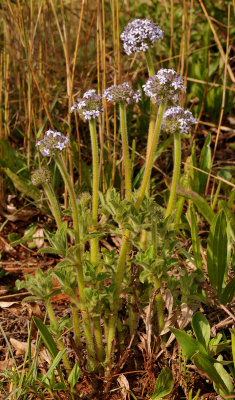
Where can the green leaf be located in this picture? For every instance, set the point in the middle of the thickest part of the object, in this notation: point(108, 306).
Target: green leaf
point(232, 331)
point(54, 366)
point(24, 186)
point(46, 337)
point(217, 252)
point(74, 375)
point(27, 235)
point(201, 204)
point(203, 363)
point(201, 329)
point(189, 345)
point(228, 293)
point(195, 238)
point(164, 384)
point(225, 378)
point(204, 163)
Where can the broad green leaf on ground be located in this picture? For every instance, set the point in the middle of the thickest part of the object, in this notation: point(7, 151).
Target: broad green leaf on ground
point(201, 329)
point(189, 345)
point(164, 384)
point(203, 363)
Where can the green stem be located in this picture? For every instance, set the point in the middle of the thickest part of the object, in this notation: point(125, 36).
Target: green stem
point(149, 63)
point(157, 283)
point(85, 317)
point(153, 113)
point(94, 243)
point(76, 327)
point(59, 341)
point(95, 187)
point(126, 236)
point(68, 183)
point(132, 314)
point(176, 172)
point(116, 295)
point(127, 163)
point(55, 208)
point(98, 339)
point(149, 161)
point(159, 303)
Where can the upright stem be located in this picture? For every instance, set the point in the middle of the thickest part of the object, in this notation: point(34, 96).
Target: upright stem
point(127, 163)
point(95, 188)
point(157, 283)
point(149, 162)
point(85, 317)
point(126, 236)
point(176, 172)
point(153, 110)
point(68, 183)
point(94, 243)
point(149, 62)
point(55, 208)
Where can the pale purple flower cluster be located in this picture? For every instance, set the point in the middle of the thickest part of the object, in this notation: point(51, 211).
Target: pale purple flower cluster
point(122, 94)
point(52, 141)
point(90, 106)
point(41, 176)
point(165, 85)
point(178, 119)
point(139, 34)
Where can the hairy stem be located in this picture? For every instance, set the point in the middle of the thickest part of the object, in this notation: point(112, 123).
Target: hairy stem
point(55, 208)
point(95, 187)
point(80, 277)
point(127, 163)
point(126, 236)
point(157, 283)
point(176, 172)
point(149, 161)
point(94, 243)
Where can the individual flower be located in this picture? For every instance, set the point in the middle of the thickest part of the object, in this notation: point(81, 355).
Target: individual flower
point(90, 106)
point(122, 94)
point(165, 85)
point(52, 140)
point(139, 34)
point(41, 176)
point(177, 119)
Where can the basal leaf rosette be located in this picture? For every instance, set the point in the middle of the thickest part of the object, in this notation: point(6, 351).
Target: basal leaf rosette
point(166, 85)
point(139, 35)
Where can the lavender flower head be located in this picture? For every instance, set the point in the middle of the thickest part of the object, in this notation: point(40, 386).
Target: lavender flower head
point(52, 140)
point(122, 94)
point(41, 176)
point(139, 34)
point(90, 106)
point(177, 119)
point(165, 85)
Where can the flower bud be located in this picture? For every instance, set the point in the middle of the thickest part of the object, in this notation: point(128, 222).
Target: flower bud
point(41, 176)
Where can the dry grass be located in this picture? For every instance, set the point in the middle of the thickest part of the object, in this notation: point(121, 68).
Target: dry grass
point(53, 50)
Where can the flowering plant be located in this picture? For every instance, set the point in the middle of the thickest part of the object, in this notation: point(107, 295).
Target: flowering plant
point(94, 279)
point(139, 34)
